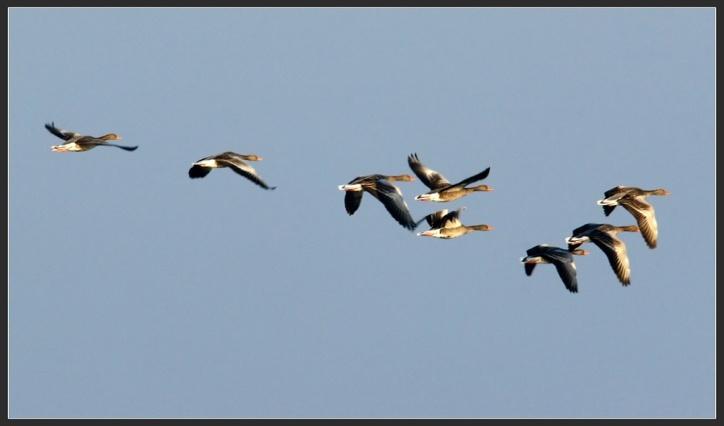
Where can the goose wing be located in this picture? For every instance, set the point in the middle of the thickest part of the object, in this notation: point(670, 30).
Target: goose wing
point(451, 220)
point(432, 179)
point(581, 231)
point(615, 190)
point(434, 219)
point(240, 167)
point(197, 171)
point(613, 194)
point(645, 217)
point(352, 201)
point(474, 178)
point(554, 254)
point(563, 261)
point(567, 272)
point(86, 141)
point(533, 252)
point(391, 197)
point(63, 134)
point(584, 229)
point(615, 251)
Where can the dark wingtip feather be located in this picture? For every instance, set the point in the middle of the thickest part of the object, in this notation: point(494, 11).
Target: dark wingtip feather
point(196, 172)
point(528, 267)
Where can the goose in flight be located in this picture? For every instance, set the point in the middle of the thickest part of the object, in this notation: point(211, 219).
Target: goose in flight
point(447, 225)
point(441, 189)
point(231, 160)
point(389, 195)
point(634, 201)
point(605, 237)
point(75, 142)
point(561, 258)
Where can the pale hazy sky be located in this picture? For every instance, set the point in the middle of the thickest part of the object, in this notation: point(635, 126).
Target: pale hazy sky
point(137, 292)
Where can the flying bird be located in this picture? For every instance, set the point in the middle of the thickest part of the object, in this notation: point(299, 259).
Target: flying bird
point(447, 225)
point(561, 258)
point(441, 189)
point(634, 201)
point(389, 195)
point(605, 236)
point(231, 160)
point(75, 142)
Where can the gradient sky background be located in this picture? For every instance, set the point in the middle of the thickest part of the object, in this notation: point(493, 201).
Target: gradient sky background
point(137, 292)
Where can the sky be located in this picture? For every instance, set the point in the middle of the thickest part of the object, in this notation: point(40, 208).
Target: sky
point(136, 292)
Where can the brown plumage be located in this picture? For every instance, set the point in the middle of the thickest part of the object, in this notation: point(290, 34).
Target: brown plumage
point(441, 189)
point(75, 142)
point(561, 258)
point(379, 186)
point(634, 201)
point(604, 236)
point(447, 225)
point(231, 160)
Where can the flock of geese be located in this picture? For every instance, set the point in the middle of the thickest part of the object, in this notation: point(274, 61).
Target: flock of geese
point(443, 223)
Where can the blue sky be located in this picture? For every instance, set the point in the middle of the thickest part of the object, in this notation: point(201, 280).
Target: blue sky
point(137, 292)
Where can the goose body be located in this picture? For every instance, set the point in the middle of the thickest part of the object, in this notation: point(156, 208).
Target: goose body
point(634, 201)
point(75, 142)
point(605, 237)
point(441, 189)
point(561, 258)
point(232, 160)
point(379, 186)
point(447, 225)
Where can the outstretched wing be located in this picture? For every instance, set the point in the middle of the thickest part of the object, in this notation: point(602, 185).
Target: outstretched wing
point(645, 217)
point(615, 190)
point(432, 179)
point(391, 197)
point(63, 134)
point(243, 169)
point(615, 193)
point(197, 171)
point(582, 232)
point(567, 272)
point(474, 178)
point(352, 201)
point(101, 142)
point(451, 220)
point(615, 251)
point(433, 219)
